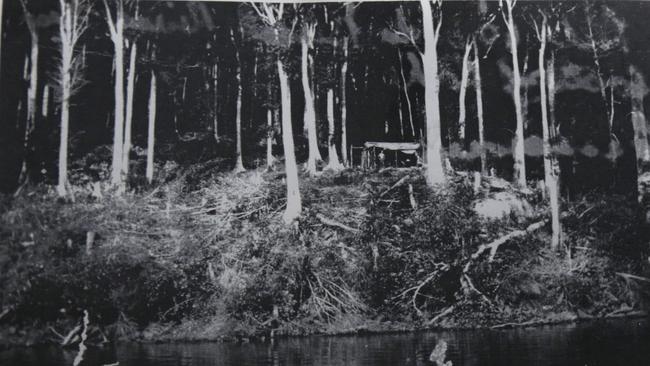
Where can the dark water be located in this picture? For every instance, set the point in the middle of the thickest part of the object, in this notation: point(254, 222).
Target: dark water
point(620, 342)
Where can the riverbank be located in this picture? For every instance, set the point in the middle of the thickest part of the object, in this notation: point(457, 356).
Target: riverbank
point(204, 255)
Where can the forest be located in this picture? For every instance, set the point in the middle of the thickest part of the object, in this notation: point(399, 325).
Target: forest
point(177, 170)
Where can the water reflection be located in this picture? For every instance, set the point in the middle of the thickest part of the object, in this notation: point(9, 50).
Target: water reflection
point(621, 342)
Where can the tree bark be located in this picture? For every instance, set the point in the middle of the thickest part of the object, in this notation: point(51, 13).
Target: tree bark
point(294, 201)
point(479, 108)
point(434, 170)
point(462, 95)
point(117, 37)
point(130, 91)
point(406, 94)
point(638, 89)
point(151, 138)
point(519, 152)
point(333, 157)
point(344, 106)
point(215, 121)
point(30, 122)
point(45, 107)
point(239, 164)
point(269, 139)
point(310, 113)
point(550, 165)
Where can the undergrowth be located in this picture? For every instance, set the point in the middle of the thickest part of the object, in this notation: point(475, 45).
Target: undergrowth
point(204, 254)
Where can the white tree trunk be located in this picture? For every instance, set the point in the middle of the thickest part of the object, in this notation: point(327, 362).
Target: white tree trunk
point(479, 108)
point(294, 201)
point(45, 108)
point(638, 89)
point(215, 120)
point(239, 164)
point(310, 113)
point(333, 162)
point(519, 152)
point(130, 91)
point(462, 115)
point(344, 106)
point(117, 36)
point(269, 139)
point(31, 92)
point(434, 171)
point(151, 137)
point(65, 122)
point(550, 71)
point(550, 176)
point(406, 94)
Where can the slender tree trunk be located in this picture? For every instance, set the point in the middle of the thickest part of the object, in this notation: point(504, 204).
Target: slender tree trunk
point(68, 33)
point(333, 157)
point(269, 139)
point(344, 106)
point(65, 121)
point(479, 108)
point(310, 113)
point(30, 123)
point(596, 59)
point(638, 90)
point(130, 91)
point(151, 133)
point(462, 115)
point(550, 71)
point(524, 93)
point(519, 152)
point(294, 201)
point(406, 94)
point(45, 107)
point(239, 164)
point(215, 120)
point(117, 36)
point(434, 172)
point(550, 177)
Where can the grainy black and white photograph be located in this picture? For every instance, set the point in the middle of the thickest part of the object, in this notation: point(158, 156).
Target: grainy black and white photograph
point(305, 183)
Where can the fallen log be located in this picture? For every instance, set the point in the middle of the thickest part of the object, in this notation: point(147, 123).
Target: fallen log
point(397, 184)
point(330, 222)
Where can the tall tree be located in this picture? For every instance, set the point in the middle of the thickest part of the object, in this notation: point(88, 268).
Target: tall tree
point(551, 166)
point(72, 23)
point(30, 122)
point(344, 101)
point(464, 78)
point(151, 138)
point(434, 172)
point(638, 90)
point(478, 85)
point(507, 7)
point(333, 162)
point(273, 16)
point(306, 64)
point(116, 29)
point(239, 163)
point(130, 94)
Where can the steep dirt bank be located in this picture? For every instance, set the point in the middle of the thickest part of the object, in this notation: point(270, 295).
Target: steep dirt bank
point(206, 256)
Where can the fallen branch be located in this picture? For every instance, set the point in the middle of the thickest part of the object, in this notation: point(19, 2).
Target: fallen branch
point(508, 325)
point(494, 245)
point(82, 343)
point(68, 339)
point(442, 314)
point(629, 276)
point(397, 184)
point(330, 222)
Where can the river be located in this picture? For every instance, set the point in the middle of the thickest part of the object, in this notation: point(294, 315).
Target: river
point(616, 342)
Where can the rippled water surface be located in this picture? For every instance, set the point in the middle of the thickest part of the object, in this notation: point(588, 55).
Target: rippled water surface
point(620, 342)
